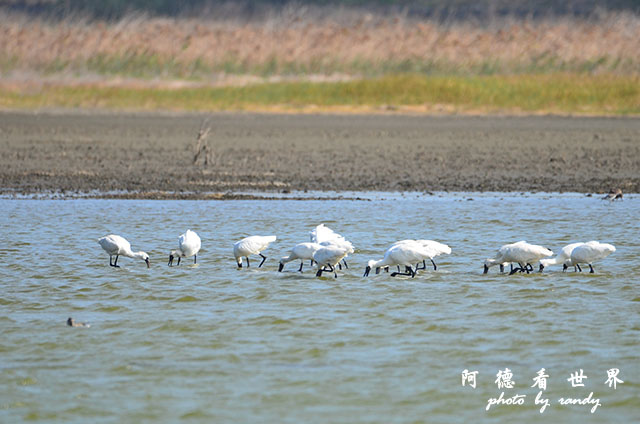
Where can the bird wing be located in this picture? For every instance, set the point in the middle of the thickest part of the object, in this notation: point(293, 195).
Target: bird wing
point(408, 253)
point(565, 253)
point(114, 244)
point(344, 244)
point(305, 250)
point(527, 253)
point(329, 255)
point(437, 247)
point(189, 243)
point(590, 251)
point(582, 254)
point(254, 244)
point(323, 233)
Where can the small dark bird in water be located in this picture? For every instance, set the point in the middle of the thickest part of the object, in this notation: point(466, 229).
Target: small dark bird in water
point(72, 323)
point(614, 194)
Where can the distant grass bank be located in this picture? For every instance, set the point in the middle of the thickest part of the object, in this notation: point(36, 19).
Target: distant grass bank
point(325, 42)
point(548, 93)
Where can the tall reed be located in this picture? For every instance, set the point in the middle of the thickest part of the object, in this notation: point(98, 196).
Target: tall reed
point(357, 45)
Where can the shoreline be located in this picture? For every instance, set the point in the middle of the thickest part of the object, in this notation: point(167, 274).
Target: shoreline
point(297, 196)
point(148, 155)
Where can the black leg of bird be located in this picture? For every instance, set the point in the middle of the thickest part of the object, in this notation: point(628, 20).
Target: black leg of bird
point(408, 272)
point(435, 268)
point(264, 258)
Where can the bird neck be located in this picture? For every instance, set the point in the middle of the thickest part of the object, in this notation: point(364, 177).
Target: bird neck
point(378, 264)
point(491, 262)
point(137, 255)
point(551, 261)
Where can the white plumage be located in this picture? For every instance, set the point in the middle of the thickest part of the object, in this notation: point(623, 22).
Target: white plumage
point(564, 257)
point(590, 251)
point(327, 237)
point(116, 246)
point(188, 245)
point(300, 251)
point(329, 256)
point(522, 253)
point(433, 247)
point(252, 245)
point(405, 252)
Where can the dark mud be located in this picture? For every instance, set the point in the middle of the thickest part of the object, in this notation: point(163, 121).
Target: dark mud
point(151, 155)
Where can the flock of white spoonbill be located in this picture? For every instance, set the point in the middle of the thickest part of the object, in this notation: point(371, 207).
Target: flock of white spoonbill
point(328, 250)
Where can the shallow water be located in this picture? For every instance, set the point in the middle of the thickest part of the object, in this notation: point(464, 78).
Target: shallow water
point(211, 343)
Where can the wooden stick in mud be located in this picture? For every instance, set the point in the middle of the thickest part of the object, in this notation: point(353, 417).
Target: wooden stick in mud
point(202, 145)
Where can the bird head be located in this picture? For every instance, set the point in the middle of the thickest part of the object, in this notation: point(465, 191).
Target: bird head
point(369, 267)
point(145, 258)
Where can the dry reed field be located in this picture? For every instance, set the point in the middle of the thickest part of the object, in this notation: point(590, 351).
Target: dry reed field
point(353, 45)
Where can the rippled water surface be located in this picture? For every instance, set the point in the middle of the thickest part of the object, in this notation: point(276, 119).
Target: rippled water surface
point(211, 343)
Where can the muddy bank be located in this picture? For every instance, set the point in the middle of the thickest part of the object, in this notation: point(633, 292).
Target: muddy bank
point(152, 153)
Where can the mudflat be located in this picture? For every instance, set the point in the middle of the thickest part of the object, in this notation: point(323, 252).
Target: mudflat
point(152, 155)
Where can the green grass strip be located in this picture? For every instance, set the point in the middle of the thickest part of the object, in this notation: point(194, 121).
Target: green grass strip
point(548, 93)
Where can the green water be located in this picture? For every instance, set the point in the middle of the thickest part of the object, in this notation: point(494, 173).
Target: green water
point(211, 343)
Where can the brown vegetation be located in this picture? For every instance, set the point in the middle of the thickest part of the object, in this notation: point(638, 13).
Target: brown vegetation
point(356, 45)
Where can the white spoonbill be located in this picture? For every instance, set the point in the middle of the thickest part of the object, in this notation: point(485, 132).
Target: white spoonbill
point(589, 252)
point(564, 257)
point(300, 251)
point(327, 237)
point(188, 245)
point(407, 253)
point(116, 245)
point(522, 253)
point(435, 248)
point(252, 245)
point(329, 256)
